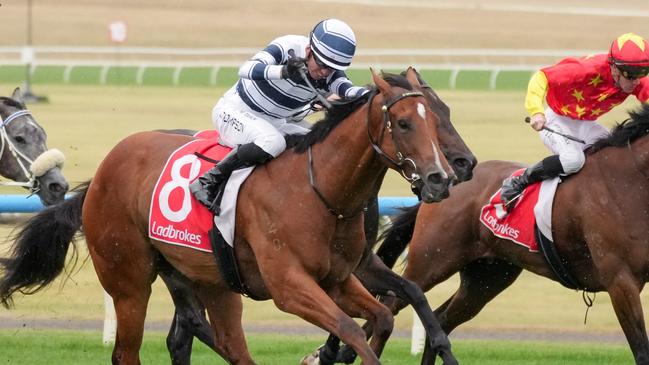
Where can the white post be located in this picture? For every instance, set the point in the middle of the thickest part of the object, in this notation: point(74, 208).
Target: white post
point(110, 320)
point(418, 335)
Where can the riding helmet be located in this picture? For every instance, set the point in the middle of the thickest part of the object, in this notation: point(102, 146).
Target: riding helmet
point(630, 54)
point(333, 43)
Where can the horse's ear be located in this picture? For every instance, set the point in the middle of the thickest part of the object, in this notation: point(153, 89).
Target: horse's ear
point(413, 77)
point(383, 86)
point(17, 95)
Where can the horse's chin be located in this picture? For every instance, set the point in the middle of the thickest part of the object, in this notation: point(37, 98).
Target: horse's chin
point(429, 195)
point(49, 199)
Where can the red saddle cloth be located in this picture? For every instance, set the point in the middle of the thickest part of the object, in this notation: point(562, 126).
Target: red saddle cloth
point(518, 224)
point(175, 216)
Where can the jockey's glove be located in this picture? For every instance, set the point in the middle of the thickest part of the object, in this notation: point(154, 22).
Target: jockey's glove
point(293, 68)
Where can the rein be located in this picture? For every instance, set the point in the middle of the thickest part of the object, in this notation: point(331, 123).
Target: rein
point(32, 184)
point(386, 125)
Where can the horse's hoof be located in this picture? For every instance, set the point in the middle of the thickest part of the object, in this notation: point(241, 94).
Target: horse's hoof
point(312, 358)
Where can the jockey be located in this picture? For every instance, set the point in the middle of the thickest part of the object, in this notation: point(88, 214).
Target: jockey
point(577, 92)
point(252, 116)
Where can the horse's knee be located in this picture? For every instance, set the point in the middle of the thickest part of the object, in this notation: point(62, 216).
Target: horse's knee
point(348, 328)
point(384, 323)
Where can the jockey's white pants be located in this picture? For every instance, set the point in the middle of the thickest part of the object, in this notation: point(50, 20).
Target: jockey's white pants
point(237, 124)
point(571, 153)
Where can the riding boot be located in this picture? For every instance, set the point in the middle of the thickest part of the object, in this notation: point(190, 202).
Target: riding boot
point(513, 187)
point(208, 188)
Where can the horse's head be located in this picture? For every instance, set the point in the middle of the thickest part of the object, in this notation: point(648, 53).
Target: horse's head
point(456, 151)
point(413, 147)
point(23, 153)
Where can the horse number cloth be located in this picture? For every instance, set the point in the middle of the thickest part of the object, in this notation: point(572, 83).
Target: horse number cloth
point(175, 216)
point(534, 207)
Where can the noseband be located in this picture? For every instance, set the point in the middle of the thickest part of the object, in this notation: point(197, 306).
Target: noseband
point(387, 124)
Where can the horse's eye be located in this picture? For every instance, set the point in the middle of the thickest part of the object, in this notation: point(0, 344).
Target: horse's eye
point(19, 139)
point(403, 124)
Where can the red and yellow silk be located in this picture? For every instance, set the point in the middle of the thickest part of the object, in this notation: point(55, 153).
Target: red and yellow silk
point(579, 88)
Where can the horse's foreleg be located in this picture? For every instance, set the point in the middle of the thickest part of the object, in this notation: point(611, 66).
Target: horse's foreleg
point(625, 296)
point(356, 301)
point(380, 280)
point(299, 294)
point(224, 309)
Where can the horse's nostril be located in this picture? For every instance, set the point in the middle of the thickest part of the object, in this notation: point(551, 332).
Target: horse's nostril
point(57, 188)
point(434, 178)
point(460, 163)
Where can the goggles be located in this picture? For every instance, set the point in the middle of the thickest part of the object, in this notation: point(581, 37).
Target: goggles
point(319, 62)
point(633, 72)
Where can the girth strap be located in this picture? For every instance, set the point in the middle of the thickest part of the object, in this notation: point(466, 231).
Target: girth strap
point(227, 263)
point(557, 265)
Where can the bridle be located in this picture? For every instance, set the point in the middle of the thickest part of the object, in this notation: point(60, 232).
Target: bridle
point(21, 158)
point(387, 125)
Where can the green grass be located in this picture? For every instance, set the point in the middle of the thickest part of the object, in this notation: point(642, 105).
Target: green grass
point(73, 347)
point(227, 76)
point(121, 75)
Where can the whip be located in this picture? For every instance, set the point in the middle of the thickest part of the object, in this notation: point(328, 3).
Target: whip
point(527, 120)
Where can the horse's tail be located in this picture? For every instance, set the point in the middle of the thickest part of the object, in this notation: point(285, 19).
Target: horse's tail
point(40, 247)
point(398, 235)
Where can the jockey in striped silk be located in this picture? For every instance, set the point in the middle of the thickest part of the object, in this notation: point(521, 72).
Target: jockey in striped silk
point(577, 92)
point(253, 116)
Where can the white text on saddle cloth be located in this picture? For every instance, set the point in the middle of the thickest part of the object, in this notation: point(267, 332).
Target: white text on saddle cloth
point(517, 225)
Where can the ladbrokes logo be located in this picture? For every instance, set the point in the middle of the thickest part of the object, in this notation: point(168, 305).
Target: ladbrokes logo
point(171, 233)
point(503, 229)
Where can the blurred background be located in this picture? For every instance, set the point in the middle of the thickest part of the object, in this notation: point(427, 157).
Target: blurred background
point(101, 70)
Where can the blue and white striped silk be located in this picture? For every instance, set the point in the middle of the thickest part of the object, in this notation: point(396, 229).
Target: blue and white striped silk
point(263, 90)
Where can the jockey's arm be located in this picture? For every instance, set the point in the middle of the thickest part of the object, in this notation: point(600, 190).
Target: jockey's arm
point(537, 88)
point(343, 87)
point(264, 65)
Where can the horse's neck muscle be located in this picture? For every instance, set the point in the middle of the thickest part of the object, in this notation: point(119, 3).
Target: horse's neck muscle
point(346, 168)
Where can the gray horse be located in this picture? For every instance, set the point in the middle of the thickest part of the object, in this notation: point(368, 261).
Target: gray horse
point(24, 157)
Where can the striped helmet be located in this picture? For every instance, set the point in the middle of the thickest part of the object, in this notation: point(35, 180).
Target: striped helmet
point(630, 54)
point(333, 43)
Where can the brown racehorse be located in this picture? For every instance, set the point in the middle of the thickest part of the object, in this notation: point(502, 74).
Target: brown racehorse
point(599, 223)
point(288, 244)
point(189, 318)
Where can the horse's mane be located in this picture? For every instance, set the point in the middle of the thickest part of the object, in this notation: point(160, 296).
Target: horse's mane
point(628, 131)
point(11, 102)
point(339, 111)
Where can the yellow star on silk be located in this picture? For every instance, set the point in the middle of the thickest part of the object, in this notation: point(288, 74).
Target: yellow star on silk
point(579, 95)
point(596, 80)
point(630, 37)
point(602, 96)
point(580, 111)
point(565, 109)
point(596, 112)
